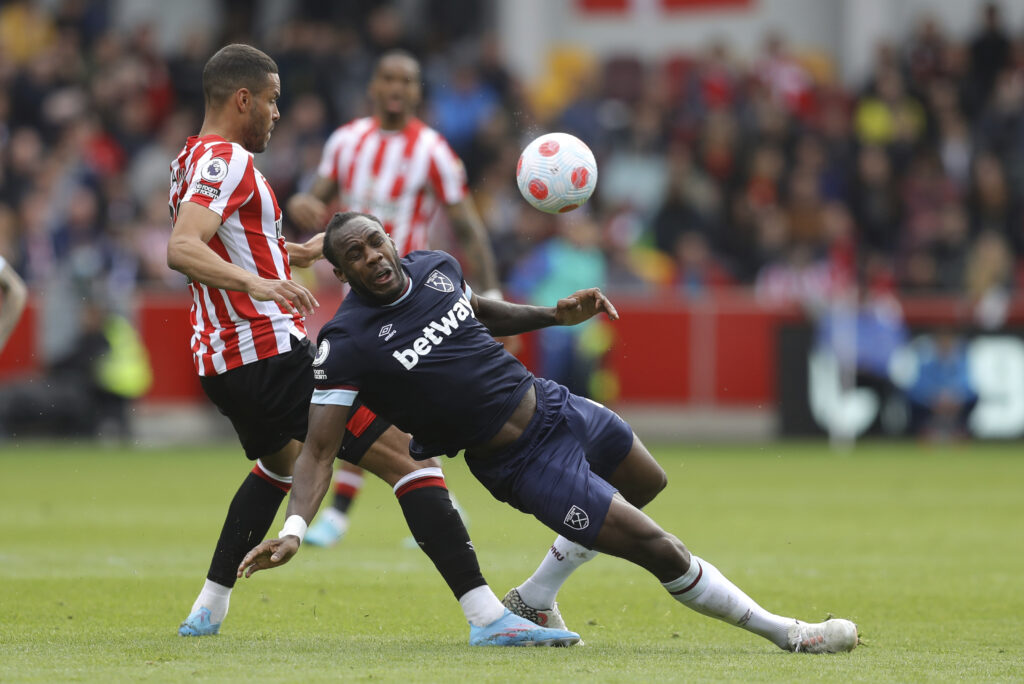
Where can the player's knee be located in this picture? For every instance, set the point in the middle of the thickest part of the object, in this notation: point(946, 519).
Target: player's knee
point(659, 480)
point(653, 481)
point(668, 557)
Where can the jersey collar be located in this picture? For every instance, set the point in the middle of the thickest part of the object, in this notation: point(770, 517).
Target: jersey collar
point(405, 294)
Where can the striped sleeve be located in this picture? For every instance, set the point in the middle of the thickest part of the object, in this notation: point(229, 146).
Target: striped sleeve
point(447, 174)
point(224, 179)
point(328, 167)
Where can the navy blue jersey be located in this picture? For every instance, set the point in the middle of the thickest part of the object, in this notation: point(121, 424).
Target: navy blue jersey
point(424, 362)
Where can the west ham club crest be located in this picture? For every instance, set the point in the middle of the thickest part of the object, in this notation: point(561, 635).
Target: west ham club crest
point(440, 282)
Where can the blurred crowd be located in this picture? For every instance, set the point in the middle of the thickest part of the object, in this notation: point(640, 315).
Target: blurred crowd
point(713, 172)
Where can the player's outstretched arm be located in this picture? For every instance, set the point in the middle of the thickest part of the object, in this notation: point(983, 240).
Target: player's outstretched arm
point(583, 305)
point(310, 481)
point(472, 237)
point(506, 318)
point(188, 251)
point(308, 210)
point(13, 296)
point(305, 253)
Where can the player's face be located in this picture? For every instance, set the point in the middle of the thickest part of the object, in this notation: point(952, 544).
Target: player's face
point(369, 261)
point(395, 89)
point(263, 113)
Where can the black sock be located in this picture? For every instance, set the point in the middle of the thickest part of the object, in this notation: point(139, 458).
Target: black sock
point(341, 503)
point(440, 532)
point(249, 518)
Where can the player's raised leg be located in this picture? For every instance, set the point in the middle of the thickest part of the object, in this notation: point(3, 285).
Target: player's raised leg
point(628, 533)
point(440, 532)
point(638, 477)
point(248, 520)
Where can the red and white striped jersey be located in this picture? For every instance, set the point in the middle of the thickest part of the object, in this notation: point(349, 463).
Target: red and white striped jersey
point(401, 177)
point(231, 328)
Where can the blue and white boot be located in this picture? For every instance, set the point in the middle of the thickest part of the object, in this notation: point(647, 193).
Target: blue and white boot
point(328, 528)
point(512, 630)
point(198, 624)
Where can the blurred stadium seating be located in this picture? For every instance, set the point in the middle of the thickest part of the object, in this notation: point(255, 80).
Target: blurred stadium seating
point(760, 180)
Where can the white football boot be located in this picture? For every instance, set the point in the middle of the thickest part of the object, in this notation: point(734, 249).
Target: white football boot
point(831, 636)
point(545, 617)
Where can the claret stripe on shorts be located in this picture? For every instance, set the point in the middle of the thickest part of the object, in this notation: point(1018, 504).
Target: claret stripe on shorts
point(231, 328)
point(402, 177)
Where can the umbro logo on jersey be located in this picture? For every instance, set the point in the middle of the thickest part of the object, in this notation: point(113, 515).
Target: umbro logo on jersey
point(440, 282)
point(387, 332)
point(577, 518)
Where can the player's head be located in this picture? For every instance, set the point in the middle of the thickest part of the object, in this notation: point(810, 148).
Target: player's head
point(395, 88)
point(364, 256)
point(242, 84)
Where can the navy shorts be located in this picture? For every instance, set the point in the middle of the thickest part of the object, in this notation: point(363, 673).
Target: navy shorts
point(267, 403)
point(558, 469)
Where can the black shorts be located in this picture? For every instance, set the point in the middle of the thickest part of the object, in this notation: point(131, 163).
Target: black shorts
point(267, 403)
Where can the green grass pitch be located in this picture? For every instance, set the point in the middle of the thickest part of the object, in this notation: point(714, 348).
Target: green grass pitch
point(103, 549)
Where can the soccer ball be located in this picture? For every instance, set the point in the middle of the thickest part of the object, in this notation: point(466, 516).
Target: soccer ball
point(556, 173)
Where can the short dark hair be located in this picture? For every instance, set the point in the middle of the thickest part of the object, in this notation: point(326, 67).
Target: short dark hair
point(396, 53)
point(233, 67)
point(336, 223)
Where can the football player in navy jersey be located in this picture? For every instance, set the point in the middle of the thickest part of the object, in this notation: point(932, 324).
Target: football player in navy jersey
point(417, 346)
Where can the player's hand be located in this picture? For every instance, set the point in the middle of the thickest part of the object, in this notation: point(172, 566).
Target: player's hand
point(306, 253)
point(288, 294)
point(269, 554)
point(315, 246)
point(583, 305)
point(306, 211)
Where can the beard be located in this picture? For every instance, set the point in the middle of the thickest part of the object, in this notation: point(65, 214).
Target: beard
point(254, 135)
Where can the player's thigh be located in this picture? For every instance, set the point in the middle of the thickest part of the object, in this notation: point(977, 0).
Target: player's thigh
point(388, 457)
point(267, 401)
point(363, 429)
point(639, 477)
point(553, 482)
point(282, 461)
point(613, 451)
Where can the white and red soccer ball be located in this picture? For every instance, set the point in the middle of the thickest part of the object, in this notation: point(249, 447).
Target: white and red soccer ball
point(556, 173)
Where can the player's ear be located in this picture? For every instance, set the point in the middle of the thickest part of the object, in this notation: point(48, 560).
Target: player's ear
point(340, 275)
point(242, 99)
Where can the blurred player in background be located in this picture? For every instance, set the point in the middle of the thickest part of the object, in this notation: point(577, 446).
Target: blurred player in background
point(396, 167)
point(13, 296)
point(255, 362)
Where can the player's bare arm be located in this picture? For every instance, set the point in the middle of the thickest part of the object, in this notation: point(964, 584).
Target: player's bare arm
point(188, 251)
point(305, 253)
point(13, 296)
point(506, 318)
point(308, 210)
point(311, 479)
point(472, 236)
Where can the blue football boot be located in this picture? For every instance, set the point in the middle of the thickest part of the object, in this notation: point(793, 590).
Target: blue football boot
point(327, 530)
point(512, 630)
point(198, 624)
